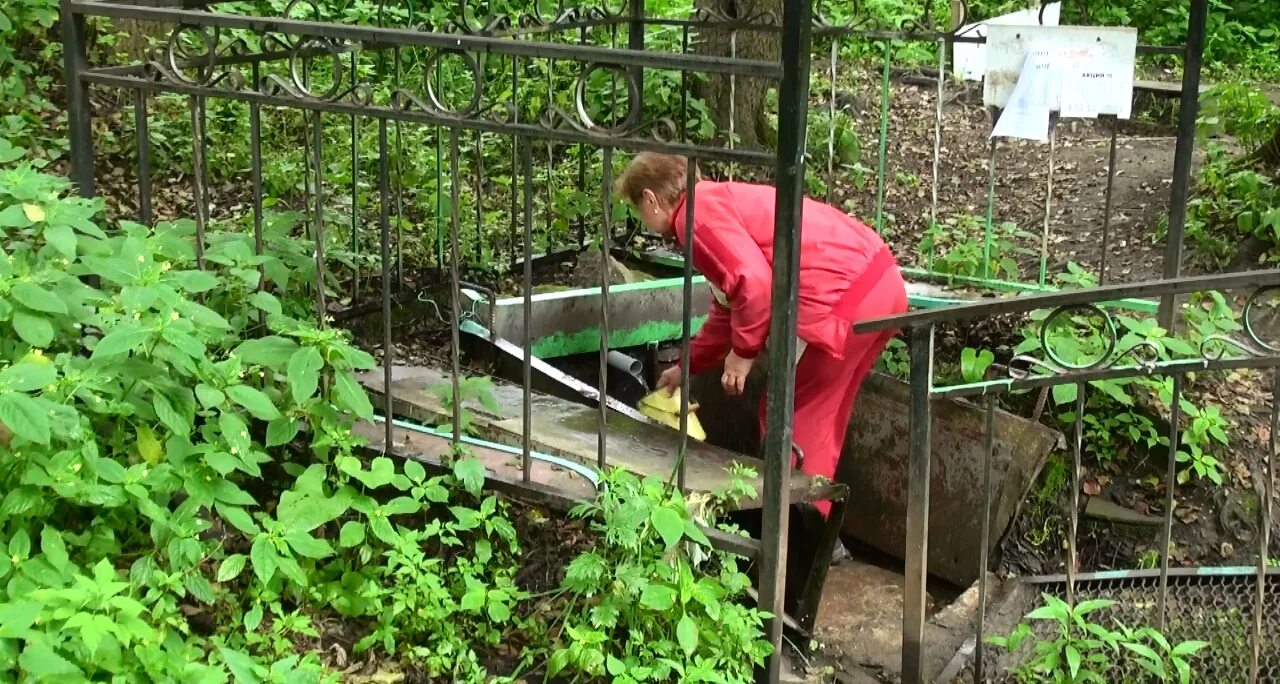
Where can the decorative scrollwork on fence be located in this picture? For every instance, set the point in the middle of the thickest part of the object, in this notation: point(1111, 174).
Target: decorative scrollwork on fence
point(1100, 335)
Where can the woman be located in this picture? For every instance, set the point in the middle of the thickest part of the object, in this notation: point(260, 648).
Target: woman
point(847, 274)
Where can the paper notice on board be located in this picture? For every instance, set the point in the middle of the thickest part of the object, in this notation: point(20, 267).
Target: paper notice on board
point(1027, 113)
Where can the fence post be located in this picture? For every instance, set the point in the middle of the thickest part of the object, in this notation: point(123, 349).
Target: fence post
point(793, 111)
point(917, 538)
point(1188, 112)
point(75, 60)
point(635, 41)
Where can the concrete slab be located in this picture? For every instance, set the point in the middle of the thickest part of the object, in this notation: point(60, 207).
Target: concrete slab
point(567, 429)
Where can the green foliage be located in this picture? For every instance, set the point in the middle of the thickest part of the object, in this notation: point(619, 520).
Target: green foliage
point(645, 607)
point(960, 246)
point(1236, 197)
point(1081, 650)
point(1118, 412)
point(28, 74)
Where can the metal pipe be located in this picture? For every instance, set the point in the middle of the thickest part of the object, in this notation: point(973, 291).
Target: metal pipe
point(625, 363)
point(918, 473)
point(79, 111)
point(1183, 154)
point(793, 112)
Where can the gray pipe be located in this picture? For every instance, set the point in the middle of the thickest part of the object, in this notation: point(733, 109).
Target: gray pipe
point(627, 364)
point(624, 363)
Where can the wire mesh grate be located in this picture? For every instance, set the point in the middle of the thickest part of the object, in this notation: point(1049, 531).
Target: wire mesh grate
point(1218, 609)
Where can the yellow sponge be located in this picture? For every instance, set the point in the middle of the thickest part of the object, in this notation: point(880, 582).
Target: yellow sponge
point(666, 410)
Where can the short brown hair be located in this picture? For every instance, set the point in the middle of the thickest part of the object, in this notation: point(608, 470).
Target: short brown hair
point(664, 174)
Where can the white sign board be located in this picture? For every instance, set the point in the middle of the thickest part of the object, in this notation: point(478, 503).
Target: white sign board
point(970, 59)
point(1087, 70)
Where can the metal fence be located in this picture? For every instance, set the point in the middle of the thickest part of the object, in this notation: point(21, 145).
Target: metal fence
point(545, 88)
point(302, 74)
point(1083, 315)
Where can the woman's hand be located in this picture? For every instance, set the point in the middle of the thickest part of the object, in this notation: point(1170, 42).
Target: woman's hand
point(736, 370)
point(670, 380)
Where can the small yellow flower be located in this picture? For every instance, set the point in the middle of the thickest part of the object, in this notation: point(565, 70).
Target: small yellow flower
point(234, 451)
point(137, 316)
point(165, 266)
point(174, 315)
point(37, 352)
point(141, 258)
point(14, 558)
point(75, 468)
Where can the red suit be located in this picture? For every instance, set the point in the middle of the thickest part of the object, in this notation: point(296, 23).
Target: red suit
point(847, 274)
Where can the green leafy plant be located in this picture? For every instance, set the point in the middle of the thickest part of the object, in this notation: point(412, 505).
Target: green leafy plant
point(958, 246)
point(1076, 649)
point(640, 609)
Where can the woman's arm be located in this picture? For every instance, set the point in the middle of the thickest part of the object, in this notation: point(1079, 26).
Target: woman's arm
point(732, 259)
point(710, 344)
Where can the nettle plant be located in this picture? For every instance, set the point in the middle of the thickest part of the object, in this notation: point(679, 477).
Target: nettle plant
point(132, 429)
point(1074, 649)
point(655, 602)
point(1118, 412)
point(136, 415)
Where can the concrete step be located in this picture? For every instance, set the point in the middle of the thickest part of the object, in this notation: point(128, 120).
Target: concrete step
point(568, 430)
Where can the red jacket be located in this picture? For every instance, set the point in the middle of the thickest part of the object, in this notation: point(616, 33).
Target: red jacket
point(840, 258)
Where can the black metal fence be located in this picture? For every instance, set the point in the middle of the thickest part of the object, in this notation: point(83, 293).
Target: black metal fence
point(1070, 318)
point(561, 92)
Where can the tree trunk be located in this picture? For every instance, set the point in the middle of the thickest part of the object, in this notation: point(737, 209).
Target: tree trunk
point(749, 111)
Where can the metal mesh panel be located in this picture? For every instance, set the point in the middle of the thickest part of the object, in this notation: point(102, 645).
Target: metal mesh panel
point(1218, 609)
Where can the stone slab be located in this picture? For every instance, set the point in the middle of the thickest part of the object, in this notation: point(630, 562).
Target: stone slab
point(874, 466)
point(567, 429)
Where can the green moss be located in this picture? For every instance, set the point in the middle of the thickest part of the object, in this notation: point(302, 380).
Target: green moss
point(588, 340)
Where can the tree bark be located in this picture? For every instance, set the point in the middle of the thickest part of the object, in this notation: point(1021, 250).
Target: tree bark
point(749, 112)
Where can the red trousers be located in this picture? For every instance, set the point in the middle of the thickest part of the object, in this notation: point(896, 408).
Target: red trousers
point(827, 387)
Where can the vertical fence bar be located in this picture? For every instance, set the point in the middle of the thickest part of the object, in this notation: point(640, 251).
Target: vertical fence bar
point(833, 72)
point(1106, 218)
point(1184, 152)
point(918, 473)
point(937, 146)
point(455, 296)
point(989, 225)
point(355, 191)
point(526, 341)
point(1171, 485)
point(322, 307)
point(1077, 444)
point(1048, 200)
point(384, 239)
point(197, 170)
point(75, 61)
point(255, 179)
point(582, 167)
point(478, 255)
point(984, 561)
point(1264, 530)
point(684, 87)
point(602, 422)
point(399, 191)
point(733, 100)
point(635, 40)
point(516, 159)
point(793, 113)
point(686, 330)
point(883, 159)
point(142, 134)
